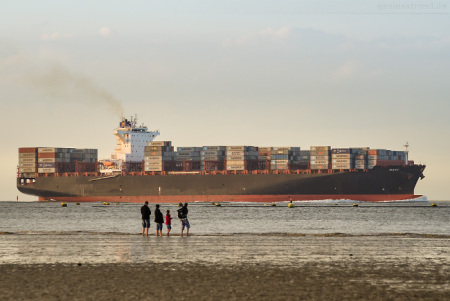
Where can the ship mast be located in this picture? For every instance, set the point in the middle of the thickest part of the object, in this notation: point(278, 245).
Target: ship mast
point(406, 152)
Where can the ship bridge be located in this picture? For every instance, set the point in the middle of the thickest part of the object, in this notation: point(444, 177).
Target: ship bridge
point(131, 140)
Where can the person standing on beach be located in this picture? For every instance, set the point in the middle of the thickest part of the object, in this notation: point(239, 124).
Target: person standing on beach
point(159, 220)
point(168, 222)
point(182, 215)
point(145, 212)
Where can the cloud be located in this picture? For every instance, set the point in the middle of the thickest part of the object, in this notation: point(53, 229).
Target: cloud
point(280, 33)
point(54, 36)
point(105, 32)
point(347, 70)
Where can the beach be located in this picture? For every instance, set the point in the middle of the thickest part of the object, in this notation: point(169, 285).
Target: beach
point(311, 281)
point(225, 267)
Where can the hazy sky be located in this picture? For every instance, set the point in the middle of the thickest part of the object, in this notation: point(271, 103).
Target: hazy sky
point(264, 73)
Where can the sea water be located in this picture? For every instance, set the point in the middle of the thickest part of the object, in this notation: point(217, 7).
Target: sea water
point(232, 233)
point(231, 218)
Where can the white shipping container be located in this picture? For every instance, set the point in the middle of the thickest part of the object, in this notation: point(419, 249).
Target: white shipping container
point(319, 162)
point(235, 158)
point(46, 150)
point(320, 148)
point(29, 160)
point(341, 156)
point(343, 161)
point(236, 148)
point(235, 167)
point(46, 160)
point(46, 170)
point(153, 158)
point(153, 169)
point(341, 166)
point(235, 153)
point(27, 155)
point(28, 169)
point(153, 163)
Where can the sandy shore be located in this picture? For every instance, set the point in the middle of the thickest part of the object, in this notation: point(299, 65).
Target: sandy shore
point(310, 281)
point(234, 267)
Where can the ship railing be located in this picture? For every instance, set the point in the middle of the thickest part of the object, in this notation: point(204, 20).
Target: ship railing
point(203, 172)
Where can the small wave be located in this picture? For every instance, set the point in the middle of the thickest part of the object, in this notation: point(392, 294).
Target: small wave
point(237, 234)
point(66, 233)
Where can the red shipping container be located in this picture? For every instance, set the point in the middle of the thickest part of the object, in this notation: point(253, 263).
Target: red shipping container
point(390, 163)
point(46, 155)
point(28, 150)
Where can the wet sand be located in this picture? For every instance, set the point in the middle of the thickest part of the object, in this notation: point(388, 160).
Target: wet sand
point(235, 267)
point(310, 281)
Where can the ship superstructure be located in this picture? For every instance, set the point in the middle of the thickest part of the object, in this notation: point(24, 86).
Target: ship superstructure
point(131, 140)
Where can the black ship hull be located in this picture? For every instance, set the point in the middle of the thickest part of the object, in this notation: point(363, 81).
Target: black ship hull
point(378, 184)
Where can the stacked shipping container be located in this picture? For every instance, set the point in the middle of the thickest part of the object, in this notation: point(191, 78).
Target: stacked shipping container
point(283, 157)
point(56, 160)
point(279, 158)
point(264, 154)
point(188, 153)
point(320, 157)
point(212, 158)
point(28, 160)
point(188, 158)
point(384, 157)
point(53, 160)
point(241, 157)
point(303, 160)
point(342, 158)
point(158, 156)
point(84, 155)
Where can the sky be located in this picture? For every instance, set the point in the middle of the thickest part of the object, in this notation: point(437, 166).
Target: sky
point(264, 73)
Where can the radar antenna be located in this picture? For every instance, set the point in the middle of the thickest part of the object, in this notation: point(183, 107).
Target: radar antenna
point(406, 152)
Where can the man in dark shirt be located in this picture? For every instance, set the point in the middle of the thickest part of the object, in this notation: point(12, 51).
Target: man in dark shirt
point(184, 220)
point(145, 211)
point(159, 220)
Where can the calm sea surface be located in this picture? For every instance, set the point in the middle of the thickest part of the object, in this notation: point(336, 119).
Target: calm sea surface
point(408, 232)
point(242, 218)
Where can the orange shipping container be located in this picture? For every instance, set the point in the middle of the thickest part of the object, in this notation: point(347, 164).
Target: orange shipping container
point(46, 155)
point(28, 150)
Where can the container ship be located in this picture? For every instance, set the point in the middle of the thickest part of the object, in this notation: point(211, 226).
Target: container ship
point(142, 169)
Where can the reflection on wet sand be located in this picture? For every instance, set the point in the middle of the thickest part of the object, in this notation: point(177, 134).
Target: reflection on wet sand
point(275, 249)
